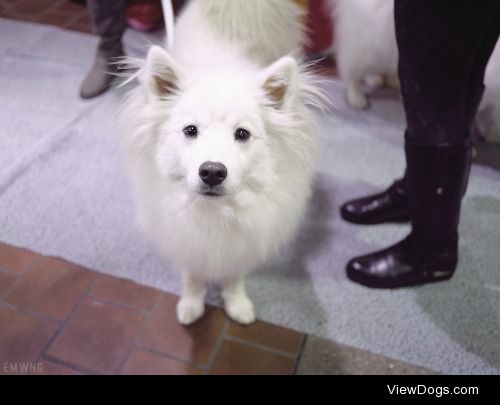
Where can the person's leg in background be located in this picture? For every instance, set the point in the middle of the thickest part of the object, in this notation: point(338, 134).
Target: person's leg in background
point(392, 205)
point(444, 46)
point(109, 20)
point(475, 89)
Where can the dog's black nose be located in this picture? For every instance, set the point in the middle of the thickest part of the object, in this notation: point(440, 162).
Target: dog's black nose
point(212, 173)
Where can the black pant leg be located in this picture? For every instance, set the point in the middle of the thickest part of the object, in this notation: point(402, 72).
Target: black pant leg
point(444, 46)
point(109, 20)
point(476, 74)
point(475, 86)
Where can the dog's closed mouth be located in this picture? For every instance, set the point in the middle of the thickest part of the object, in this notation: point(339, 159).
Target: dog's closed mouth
point(211, 193)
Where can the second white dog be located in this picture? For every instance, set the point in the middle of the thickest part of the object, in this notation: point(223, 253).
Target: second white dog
point(366, 47)
point(221, 145)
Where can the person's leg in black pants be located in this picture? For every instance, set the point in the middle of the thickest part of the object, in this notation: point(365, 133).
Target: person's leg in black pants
point(444, 46)
point(392, 205)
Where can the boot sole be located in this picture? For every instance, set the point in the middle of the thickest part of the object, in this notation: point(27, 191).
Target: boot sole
point(360, 278)
point(397, 219)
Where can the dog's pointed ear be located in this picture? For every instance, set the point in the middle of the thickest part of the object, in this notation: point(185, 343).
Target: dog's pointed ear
point(279, 82)
point(161, 73)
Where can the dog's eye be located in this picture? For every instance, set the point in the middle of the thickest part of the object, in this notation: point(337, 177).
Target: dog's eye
point(241, 135)
point(191, 131)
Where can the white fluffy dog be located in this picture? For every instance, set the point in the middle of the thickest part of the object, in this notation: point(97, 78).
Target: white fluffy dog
point(366, 48)
point(221, 145)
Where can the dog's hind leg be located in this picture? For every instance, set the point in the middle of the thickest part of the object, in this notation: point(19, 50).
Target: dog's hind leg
point(355, 96)
point(191, 306)
point(236, 302)
point(374, 81)
point(392, 80)
point(352, 74)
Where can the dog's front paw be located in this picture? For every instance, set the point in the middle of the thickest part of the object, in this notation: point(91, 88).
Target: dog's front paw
point(189, 310)
point(240, 309)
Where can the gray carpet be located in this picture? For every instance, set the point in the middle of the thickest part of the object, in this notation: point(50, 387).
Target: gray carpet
point(63, 192)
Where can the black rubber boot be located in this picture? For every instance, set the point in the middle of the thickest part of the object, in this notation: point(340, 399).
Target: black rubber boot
point(436, 179)
point(390, 205)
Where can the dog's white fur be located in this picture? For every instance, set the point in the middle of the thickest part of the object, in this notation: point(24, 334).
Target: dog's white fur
point(222, 75)
point(488, 117)
point(366, 49)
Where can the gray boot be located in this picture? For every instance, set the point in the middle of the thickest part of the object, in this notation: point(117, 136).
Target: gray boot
point(109, 23)
point(100, 76)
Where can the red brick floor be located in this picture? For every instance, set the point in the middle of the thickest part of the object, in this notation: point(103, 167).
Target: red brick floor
point(57, 317)
point(62, 13)
point(60, 318)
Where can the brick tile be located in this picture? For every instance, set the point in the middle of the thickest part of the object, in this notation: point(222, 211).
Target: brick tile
point(55, 18)
point(269, 335)
point(7, 3)
point(124, 292)
point(16, 259)
point(97, 337)
point(47, 367)
point(6, 280)
point(53, 12)
point(52, 287)
point(238, 358)
point(30, 7)
point(85, 17)
point(17, 16)
point(194, 343)
point(81, 26)
point(69, 7)
point(22, 337)
point(141, 362)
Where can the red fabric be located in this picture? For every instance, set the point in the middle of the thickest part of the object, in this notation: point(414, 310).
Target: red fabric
point(144, 15)
point(320, 27)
